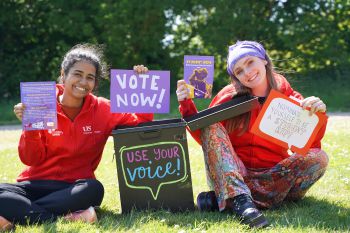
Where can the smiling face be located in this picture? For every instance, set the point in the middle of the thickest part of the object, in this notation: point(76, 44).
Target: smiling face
point(251, 72)
point(79, 81)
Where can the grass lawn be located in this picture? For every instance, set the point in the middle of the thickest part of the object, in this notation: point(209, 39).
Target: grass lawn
point(326, 207)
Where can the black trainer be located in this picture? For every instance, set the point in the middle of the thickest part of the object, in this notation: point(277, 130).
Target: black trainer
point(206, 201)
point(245, 209)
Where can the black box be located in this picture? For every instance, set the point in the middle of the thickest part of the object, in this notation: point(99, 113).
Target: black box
point(232, 108)
point(153, 162)
point(153, 166)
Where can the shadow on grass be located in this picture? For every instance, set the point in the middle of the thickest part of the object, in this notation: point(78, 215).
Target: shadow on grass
point(135, 219)
point(309, 213)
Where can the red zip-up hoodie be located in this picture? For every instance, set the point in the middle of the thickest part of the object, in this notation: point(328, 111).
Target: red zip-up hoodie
point(255, 152)
point(73, 150)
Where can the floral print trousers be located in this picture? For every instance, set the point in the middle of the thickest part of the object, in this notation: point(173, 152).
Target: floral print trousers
point(288, 180)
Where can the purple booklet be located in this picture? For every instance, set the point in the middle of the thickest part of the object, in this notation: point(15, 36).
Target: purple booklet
point(140, 93)
point(40, 101)
point(199, 75)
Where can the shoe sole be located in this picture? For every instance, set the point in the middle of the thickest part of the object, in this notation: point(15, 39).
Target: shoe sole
point(259, 222)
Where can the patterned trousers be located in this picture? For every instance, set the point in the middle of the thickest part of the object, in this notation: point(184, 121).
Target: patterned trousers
point(288, 180)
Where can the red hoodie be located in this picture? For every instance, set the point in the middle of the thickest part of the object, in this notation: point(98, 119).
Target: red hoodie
point(73, 150)
point(255, 152)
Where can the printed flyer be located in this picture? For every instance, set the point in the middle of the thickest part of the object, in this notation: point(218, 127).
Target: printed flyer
point(40, 101)
point(199, 75)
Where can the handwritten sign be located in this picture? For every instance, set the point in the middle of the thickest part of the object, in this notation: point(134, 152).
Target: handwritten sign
point(199, 75)
point(154, 165)
point(142, 93)
point(40, 101)
point(285, 123)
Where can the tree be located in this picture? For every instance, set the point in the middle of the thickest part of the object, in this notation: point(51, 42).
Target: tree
point(300, 35)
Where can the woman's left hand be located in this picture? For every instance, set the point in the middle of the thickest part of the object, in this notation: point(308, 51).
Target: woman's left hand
point(141, 69)
point(315, 104)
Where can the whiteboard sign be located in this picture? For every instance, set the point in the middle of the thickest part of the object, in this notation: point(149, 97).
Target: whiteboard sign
point(284, 122)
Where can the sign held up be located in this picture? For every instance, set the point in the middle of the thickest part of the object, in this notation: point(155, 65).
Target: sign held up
point(40, 101)
point(285, 123)
point(199, 75)
point(141, 93)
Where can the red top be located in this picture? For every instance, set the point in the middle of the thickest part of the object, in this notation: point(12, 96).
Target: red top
point(73, 150)
point(255, 152)
point(71, 112)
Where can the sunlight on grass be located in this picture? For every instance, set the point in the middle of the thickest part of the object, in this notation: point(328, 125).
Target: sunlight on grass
point(326, 207)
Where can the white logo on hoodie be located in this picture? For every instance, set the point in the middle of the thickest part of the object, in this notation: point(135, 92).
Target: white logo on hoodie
point(87, 129)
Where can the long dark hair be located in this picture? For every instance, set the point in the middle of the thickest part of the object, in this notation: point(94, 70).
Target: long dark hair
point(242, 121)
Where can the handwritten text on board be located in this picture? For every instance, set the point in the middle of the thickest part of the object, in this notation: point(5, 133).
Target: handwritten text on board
point(153, 165)
point(288, 122)
point(282, 121)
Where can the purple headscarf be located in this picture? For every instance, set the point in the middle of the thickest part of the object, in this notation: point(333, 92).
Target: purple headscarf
point(242, 49)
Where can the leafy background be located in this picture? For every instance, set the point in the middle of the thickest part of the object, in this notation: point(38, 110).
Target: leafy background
point(309, 41)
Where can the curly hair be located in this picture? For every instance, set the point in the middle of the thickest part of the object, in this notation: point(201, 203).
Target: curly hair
point(89, 53)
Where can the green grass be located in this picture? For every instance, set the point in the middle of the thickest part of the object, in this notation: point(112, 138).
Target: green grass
point(326, 207)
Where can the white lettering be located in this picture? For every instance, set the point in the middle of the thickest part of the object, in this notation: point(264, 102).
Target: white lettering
point(154, 86)
point(144, 80)
point(134, 99)
point(121, 100)
point(122, 82)
point(133, 82)
point(147, 99)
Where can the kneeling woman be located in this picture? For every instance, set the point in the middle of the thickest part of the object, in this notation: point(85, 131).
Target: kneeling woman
point(244, 170)
point(59, 179)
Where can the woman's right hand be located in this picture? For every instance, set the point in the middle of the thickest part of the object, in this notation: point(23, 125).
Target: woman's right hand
point(18, 109)
point(182, 91)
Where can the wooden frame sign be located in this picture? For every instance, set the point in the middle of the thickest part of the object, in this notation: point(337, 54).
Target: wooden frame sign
point(284, 122)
